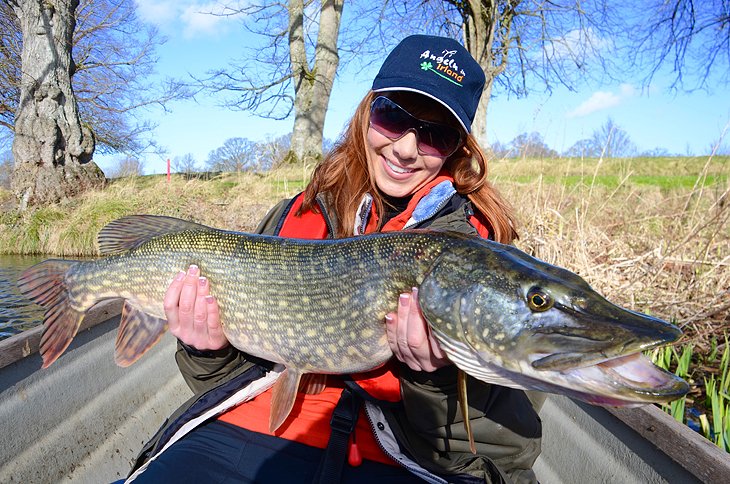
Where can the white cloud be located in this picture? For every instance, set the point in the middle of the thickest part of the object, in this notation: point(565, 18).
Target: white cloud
point(601, 100)
point(192, 17)
point(579, 44)
point(157, 12)
point(204, 18)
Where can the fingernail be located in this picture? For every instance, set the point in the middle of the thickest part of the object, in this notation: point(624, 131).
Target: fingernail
point(209, 299)
point(404, 299)
point(193, 270)
point(388, 318)
point(202, 281)
point(180, 276)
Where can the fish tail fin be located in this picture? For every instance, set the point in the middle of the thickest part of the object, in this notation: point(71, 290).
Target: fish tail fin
point(45, 284)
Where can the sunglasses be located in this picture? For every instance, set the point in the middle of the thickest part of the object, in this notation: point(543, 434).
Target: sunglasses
point(393, 122)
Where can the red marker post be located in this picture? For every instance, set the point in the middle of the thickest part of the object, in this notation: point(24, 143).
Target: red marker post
point(168, 170)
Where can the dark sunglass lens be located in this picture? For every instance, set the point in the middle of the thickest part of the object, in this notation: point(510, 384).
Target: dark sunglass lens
point(389, 118)
point(438, 140)
point(393, 121)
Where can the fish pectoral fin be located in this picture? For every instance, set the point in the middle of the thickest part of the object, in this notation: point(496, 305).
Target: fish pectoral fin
point(138, 332)
point(464, 404)
point(283, 395)
point(313, 383)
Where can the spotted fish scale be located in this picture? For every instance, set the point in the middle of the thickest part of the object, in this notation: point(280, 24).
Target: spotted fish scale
point(319, 306)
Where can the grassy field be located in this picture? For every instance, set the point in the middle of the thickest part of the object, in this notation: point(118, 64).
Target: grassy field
point(651, 234)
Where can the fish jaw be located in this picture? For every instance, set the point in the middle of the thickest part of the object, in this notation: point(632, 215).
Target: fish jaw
point(623, 381)
point(629, 380)
point(565, 338)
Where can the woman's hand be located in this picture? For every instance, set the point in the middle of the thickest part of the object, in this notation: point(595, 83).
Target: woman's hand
point(409, 337)
point(192, 313)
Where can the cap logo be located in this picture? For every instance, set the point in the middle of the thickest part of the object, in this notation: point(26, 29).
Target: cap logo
point(446, 66)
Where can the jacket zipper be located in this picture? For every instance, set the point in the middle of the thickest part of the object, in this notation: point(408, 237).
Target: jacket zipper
point(400, 458)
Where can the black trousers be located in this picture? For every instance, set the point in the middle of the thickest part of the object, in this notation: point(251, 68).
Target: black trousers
point(219, 452)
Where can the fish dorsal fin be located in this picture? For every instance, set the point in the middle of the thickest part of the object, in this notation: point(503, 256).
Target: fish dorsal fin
point(283, 395)
point(138, 332)
point(464, 403)
point(126, 233)
point(312, 383)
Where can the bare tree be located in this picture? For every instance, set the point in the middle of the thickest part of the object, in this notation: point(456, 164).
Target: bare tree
point(608, 141)
point(611, 141)
point(51, 147)
point(689, 37)
point(114, 59)
point(236, 154)
point(529, 44)
point(115, 55)
point(128, 166)
point(185, 164)
point(10, 46)
point(583, 148)
point(293, 72)
point(273, 151)
point(531, 145)
point(6, 169)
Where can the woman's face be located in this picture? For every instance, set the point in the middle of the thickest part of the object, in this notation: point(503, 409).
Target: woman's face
point(399, 168)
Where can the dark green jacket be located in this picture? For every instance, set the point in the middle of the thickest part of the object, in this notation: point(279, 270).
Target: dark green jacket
point(427, 426)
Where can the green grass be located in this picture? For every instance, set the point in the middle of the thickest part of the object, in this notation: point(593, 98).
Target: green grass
point(665, 173)
point(70, 228)
point(714, 407)
point(614, 181)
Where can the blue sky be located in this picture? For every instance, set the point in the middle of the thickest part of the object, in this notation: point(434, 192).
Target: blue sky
point(682, 123)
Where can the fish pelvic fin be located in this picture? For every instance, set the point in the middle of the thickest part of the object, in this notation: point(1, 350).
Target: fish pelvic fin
point(126, 233)
point(464, 404)
point(44, 284)
point(138, 332)
point(283, 395)
point(312, 383)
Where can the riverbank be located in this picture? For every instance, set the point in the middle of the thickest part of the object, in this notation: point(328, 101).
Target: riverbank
point(652, 234)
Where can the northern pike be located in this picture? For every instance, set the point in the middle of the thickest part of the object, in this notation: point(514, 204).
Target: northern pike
point(318, 307)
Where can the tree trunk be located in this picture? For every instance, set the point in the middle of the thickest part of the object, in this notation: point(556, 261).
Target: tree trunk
point(312, 87)
point(480, 21)
point(52, 150)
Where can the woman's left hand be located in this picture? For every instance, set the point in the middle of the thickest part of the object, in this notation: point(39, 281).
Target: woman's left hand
point(409, 337)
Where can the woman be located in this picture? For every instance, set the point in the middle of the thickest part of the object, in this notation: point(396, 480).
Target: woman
point(406, 160)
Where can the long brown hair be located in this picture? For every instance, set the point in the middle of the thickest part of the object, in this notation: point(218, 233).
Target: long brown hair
point(345, 176)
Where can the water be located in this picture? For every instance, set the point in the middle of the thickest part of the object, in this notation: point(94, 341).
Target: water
point(16, 312)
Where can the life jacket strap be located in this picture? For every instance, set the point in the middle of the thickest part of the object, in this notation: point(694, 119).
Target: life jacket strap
point(343, 423)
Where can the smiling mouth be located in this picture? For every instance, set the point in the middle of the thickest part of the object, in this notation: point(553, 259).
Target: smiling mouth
point(398, 169)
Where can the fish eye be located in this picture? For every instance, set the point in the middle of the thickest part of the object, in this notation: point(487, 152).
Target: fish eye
point(538, 300)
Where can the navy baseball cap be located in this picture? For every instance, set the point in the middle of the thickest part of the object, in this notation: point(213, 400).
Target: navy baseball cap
point(437, 67)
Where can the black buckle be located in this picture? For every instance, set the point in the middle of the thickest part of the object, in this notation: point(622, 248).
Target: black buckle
point(344, 417)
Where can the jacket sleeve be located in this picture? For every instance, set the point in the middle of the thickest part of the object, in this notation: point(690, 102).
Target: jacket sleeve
point(202, 370)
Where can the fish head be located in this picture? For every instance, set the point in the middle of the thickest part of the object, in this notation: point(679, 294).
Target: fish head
point(508, 318)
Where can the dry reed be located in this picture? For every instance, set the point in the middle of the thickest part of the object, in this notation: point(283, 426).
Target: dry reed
point(663, 252)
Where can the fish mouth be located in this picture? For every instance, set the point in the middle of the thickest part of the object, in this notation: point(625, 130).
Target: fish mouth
point(628, 333)
point(627, 380)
